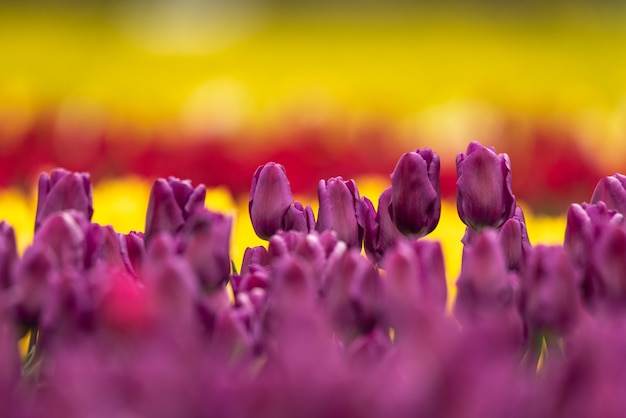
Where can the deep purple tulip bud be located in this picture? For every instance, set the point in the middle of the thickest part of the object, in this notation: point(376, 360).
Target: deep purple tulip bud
point(549, 293)
point(270, 199)
point(254, 256)
point(207, 237)
point(612, 191)
point(338, 210)
point(584, 224)
point(484, 197)
point(380, 231)
point(608, 258)
point(352, 293)
point(61, 191)
point(416, 279)
point(514, 241)
point(8, 255)
point(102, 246)
point(415, 201)
point(298, 218)
point(63, 233)
point(35, 273)
point(133, 250)
point(485, 288)
point(171, 202)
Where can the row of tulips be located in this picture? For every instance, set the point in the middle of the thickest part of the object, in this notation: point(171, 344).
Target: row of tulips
point(143, 324)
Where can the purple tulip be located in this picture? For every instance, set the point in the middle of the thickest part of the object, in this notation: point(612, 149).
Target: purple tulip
point(133, 251)
point(352, 294)
point(608, 258)
point(612, 191)
point(299, 218)
point(254, 256)
point(270, 200)
point(514, 241)
point(61, 191)
point(207, 247)
point(484, 197)
point(171, 202)
point(339, 210)
point(64, 234)
point(485, 288)
point(8, 255)
point(549, 296)
point(585, 224)
point(415, 201)
point(380, 231)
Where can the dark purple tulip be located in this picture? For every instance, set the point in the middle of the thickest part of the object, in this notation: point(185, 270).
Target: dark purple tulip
point(339, 211)
point(380, 231)
point(485, 288)
point(270, 199)
point(415, 201)
point(514, 241)
point(549, 296)
point(299, 218)
point(64, 234)
point(171, 202)
point(352, 294)
point(484, 197)
point(35, 273)
point(416, 278)
point(61, 191)
point(207, 247)
point(8, 255)
point(254, 256)
point(612, 191)
point(608, 258)
point(584, 224)
point(133, 251)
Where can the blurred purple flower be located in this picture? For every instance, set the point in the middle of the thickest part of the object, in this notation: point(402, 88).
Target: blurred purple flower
point(61, 191)
point(171, 202)
point(514, 241)
point(8, 255)
point(612, 191)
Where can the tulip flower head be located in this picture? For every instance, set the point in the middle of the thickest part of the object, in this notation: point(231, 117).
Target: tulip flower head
point(270, 200)
point(63, 190)
point(484, 197)
point(415, 204)
point(612, 191)
point(339, 210)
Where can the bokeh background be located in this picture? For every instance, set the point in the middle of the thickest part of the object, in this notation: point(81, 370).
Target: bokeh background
point(209, 90)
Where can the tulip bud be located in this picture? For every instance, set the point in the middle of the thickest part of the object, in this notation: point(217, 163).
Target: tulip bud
point(485, 288)
point(514, 241)
point(207, 238)
point(299, 218)
point(8, 255)
point(352, 293)
point(64, 234)
point(133, 251)
point(270, 199)
point(484, 197)
point(338, 210)
point(62, 191)
point(254, 256)
point(549, 293)
point(612, 191)
point(380, 231)
point(609, 261)
point(171, 202)
point(415, 201)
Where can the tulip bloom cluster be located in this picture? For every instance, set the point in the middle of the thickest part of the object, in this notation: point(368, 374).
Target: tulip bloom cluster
point(163, 323)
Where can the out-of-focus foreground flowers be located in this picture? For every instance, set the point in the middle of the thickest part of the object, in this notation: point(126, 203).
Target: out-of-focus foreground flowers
point(347, 315)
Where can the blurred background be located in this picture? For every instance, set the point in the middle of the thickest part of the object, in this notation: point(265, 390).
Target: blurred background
point(209, 90)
